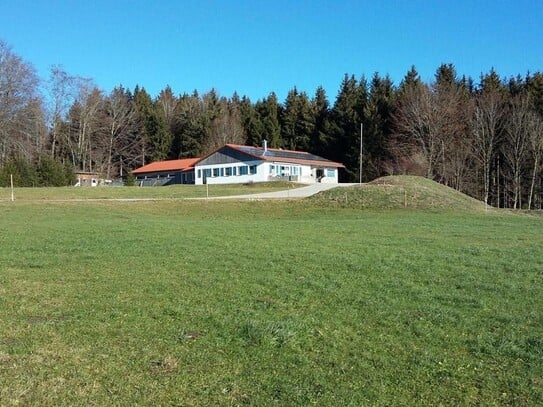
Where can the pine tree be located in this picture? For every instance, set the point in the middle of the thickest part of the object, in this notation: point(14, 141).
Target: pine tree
point(153, 126)
point(347, 116)
point(321, 135)
point(189, 129)
point(297, 121)
point(534, 85)
point(250, 120)
point(378, 127)
point(269, 111)
point(411, 78)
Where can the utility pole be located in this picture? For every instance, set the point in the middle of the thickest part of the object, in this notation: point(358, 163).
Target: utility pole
point(361, 149)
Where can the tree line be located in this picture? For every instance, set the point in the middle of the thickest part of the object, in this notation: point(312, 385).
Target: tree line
point(484, 139)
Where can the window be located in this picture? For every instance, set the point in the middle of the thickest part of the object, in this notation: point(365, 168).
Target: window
point(330, 173)
point(216, 172)
point(243, 170)
point(253, 169)
point(222, 172)
point(199, 173)
point(234, 170)
point(228, 171)
point(294, 170)
point(207, 172)
point(272, 169)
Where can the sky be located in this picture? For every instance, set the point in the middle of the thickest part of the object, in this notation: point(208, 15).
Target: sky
point(260, 46)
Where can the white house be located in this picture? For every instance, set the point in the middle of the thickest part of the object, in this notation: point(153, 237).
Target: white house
point(235, 164)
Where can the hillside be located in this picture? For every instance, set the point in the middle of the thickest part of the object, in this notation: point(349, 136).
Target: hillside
point(395, 192)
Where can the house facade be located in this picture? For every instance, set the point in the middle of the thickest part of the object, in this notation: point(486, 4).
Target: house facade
point(236, 164)
point(86, 179)
point(167, 172)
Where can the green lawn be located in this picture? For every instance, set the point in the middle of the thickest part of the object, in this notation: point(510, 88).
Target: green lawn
point(168, 192)
point(268, 303)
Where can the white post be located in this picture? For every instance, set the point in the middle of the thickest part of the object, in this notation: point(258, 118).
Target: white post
point(12, 194)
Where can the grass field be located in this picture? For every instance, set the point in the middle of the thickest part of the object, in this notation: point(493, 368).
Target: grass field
point(158, 193)
point(268, 303)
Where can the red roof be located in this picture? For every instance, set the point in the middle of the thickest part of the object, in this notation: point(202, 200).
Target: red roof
point(169, 165)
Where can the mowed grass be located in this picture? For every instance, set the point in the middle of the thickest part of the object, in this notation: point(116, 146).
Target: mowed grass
point(157, 193)
point(268, 303)
point(394, 192)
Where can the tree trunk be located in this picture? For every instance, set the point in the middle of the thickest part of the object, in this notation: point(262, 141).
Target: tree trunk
point(532, 183)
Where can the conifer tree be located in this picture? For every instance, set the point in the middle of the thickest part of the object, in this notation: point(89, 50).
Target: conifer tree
point(250, 120)
point(297, 121)
point(153, 126)
point(321, 135)
point(269, 111)
point(378, 127)
point(347, 115)
point(189, 128)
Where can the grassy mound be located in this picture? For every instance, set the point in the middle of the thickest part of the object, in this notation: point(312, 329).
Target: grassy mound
point(396, 192)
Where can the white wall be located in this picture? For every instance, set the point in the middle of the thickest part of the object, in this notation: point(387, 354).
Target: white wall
point(261, 175)
point(330, 176)
point(306, 174)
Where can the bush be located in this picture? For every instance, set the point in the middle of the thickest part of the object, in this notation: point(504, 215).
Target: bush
point(23, 171)
point(52, 173)
point(46, 172)
point(130, 180)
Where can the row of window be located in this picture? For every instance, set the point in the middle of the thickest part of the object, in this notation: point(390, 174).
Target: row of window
point(227, 171)
point(285, 170)
point(277, 170)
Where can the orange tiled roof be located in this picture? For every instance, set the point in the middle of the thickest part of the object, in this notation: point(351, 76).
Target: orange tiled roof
point(168, 165)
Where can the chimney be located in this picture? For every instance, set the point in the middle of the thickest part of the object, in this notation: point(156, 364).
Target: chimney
point(264, 146)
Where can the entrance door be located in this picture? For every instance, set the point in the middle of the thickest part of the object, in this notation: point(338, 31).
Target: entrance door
point(320, 174)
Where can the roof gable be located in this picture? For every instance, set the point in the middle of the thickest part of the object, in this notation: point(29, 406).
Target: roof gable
point(227, 155)
point(286, 156)
point(168, 165)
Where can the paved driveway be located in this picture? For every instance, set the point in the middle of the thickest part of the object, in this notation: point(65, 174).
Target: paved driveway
point(295, 193)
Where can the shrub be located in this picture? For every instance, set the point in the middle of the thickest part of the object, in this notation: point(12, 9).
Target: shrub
point(23, 171)
point(130, 180)
point(52, 173)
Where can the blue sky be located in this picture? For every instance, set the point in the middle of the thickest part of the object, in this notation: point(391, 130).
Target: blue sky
point(256, 47)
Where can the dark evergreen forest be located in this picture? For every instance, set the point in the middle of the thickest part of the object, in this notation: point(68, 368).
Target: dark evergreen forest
point(481, 136)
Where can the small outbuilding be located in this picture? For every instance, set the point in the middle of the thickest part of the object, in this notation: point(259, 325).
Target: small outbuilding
point(167, 172)
point(86, 179)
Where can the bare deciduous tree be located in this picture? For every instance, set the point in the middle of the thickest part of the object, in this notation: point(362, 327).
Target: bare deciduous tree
point(535, 139)
point(226, 127)
point(168, 102)
point(62, 92)
point(432, 119)
point(416, 124)
point(84, 126)
point(486, 122)
point(18, 94)
point(516, 142)
point(122, 127)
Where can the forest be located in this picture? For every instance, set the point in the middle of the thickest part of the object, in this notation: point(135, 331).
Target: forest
point(482, 137)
